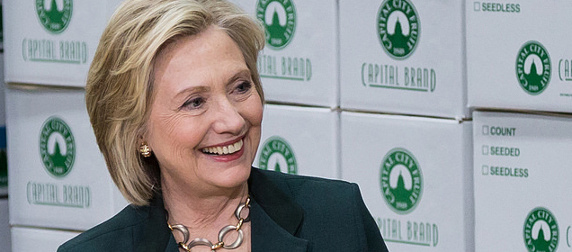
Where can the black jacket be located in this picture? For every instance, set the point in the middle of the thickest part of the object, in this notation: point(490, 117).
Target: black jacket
point(288, 213)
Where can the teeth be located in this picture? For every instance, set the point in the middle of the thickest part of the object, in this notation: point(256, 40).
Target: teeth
point(225, 149)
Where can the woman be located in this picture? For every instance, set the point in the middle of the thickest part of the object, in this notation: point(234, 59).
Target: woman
point(175, 101)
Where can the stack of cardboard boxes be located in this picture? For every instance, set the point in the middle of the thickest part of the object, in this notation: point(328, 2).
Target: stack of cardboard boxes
point(405, 126)
point(299, 73)
point(59, 185)
point(522, 70)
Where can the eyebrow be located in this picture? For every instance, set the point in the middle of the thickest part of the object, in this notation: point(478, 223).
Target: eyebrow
point(197, 89)
point(201, 89)
point(241, 73)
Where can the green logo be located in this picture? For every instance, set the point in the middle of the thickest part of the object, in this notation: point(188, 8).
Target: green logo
point(541, 231)
point(57, 147)
point(533, 68)
point(55, 18)
point(401, 180)
point(398, 28)
point(276, 154)
point(279, 20)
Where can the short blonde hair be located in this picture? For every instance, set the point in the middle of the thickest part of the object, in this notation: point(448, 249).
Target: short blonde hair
point(119, 89)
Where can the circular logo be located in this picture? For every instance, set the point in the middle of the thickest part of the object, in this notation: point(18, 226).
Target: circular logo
point(276, 154)
point(533, 68)
point(54, 15)
point(57, 147)
point(398, 28)
point(541, 231)
point(401, 180)
point(279, 20)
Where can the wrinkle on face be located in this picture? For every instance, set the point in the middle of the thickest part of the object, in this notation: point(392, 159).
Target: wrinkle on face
point(210, 66)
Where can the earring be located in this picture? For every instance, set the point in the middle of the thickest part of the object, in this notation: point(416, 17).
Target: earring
point(145, 150)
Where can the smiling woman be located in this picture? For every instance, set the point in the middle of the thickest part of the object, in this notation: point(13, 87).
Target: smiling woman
point(176, 103)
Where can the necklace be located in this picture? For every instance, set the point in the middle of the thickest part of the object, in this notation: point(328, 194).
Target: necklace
point(221, 234)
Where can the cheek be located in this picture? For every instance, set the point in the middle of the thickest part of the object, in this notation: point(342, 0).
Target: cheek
point(254, 111)
point(172, 137)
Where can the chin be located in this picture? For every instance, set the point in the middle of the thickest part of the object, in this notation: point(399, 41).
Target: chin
point(233, 177)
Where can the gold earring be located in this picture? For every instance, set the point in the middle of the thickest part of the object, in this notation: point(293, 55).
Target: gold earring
point(145, 150)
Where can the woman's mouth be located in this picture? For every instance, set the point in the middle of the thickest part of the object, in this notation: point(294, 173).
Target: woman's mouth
point(224, 150)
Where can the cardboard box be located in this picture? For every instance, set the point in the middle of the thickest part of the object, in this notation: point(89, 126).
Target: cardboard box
point(4, 225)
point(58, 177)
point(30, 239)
point(299, 140)
point(415, 175)
point(300, 61)
point(415, 68)
point(42, 49)
point(522, 179)
point(514, 61)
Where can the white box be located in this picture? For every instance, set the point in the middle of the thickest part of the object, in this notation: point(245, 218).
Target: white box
point(521, 165)
point(58, 177)
point(300, 61)
point(424, 77)
point(299, 140)
point(44, 50)
point(504, 39)
point(430, 206)
point(31, 239)
point(4, 225)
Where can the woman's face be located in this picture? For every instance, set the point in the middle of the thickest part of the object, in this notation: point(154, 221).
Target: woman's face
point(204, 126)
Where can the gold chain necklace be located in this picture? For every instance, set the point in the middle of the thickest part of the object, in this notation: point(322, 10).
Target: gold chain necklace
point(221, 234)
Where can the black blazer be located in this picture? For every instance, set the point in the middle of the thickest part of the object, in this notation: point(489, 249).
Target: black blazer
point(288, 213)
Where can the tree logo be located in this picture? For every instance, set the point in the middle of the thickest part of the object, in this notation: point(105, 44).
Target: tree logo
point(541, 231)
point(53, 16)
point(279, 20)
point(276, 154)
point(401, 181)
point(533, 67)
point(57, 147)
point(398, 28)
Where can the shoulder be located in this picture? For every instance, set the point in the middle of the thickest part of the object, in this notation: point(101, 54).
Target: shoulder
point(327, 204)
point(319, 190)
point(319, 198)
point(111, 235)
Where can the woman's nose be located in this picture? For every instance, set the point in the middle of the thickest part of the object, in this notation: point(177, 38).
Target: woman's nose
point(227, 118)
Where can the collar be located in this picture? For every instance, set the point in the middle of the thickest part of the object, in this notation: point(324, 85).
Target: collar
point(275, 219)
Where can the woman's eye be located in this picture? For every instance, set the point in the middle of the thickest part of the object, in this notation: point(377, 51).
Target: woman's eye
point(243, 87)
point(194, 103)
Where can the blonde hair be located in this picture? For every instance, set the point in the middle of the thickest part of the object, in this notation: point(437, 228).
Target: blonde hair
point(119, 89)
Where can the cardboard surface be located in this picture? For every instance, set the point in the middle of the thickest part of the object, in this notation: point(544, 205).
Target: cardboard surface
point(522, 179)
point(31, 239)
point(4, 226)
point(424, 74)
point(506, 41)
point(415, 175)
point(43, 49)
point(300, 141)
point(300, 61)
point(58, 176)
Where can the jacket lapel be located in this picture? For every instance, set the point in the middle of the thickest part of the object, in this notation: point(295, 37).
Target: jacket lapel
point(153, 234)
point(276, 218)
point(267, 235)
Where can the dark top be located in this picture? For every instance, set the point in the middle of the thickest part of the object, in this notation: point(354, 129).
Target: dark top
point(288, 213)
